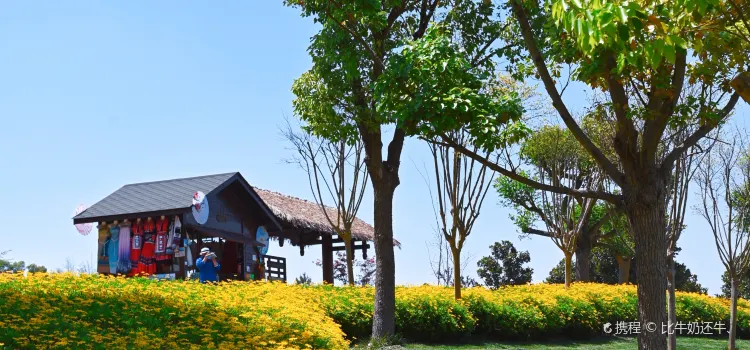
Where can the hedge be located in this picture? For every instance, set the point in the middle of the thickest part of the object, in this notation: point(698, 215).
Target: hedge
point(65, 310)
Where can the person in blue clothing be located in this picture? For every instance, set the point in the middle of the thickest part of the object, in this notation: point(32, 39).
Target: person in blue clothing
point(208, 266)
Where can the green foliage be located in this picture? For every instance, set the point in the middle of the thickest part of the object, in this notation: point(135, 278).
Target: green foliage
point(430, 314)
point(303, 279)
point(604, 269)
point(552, 145)
point(686, 281)
point(743, 289)
point(431, 88)
point(504, 266)
point(18, 266)
point(647, 35)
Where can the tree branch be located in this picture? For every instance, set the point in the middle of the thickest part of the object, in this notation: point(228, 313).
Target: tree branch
point(557, 101)
point(524, 180)
point(691, 140)
point(537, 232)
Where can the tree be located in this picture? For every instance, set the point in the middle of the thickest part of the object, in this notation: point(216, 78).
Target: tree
point(7, 265)
point(604, 269)
point(723, 180)
point(686, 281)
point(34, 268)
point(360, 58)
point(86, 267)
point(11, 266)
point(303, 279)
point(462, 185)
point(366, 268)
point(504, 266)
point(636, 52)
point(338, 167)
point(70, 265)
point(556, 159)
point(442, 266)
point(743, 287)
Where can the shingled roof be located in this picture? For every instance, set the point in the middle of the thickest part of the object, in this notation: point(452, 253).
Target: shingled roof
point(151, 197)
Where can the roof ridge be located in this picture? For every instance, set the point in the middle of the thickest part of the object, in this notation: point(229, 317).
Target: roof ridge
point(178, 179)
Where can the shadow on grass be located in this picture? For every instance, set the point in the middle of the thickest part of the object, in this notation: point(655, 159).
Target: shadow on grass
point(557, 343)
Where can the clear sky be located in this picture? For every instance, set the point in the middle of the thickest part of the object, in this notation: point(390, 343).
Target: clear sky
point(96, 95)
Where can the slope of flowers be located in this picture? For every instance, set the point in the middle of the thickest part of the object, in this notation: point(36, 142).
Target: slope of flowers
point(68, 311)
point(429, 313)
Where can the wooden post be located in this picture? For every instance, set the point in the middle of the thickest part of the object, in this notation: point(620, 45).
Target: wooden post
point(327, 259)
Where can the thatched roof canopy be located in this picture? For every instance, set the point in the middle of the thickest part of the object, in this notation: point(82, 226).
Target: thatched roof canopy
point(304, 214)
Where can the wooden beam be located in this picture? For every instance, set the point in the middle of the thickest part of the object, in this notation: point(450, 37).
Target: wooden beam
point(131, 216)
point(232, 236)
point(333, 240)
point(327, 259)
point(355, 247)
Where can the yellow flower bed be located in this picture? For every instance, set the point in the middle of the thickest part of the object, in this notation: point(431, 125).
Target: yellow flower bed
point(67, 311)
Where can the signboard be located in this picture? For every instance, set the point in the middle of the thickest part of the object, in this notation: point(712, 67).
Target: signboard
point(200, 207)
point(262, 236)
point(163, 276)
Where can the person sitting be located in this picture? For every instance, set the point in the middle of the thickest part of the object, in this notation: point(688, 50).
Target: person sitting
point(207, 266)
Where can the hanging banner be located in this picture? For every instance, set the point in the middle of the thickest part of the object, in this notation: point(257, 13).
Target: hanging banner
point(200, 207)
point(262, 237)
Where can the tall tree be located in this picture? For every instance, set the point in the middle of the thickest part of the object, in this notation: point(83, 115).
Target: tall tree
point(723, 180)
point(555, 159)
point(462, 184)
point(504, 266)
point(637, 53)
point(362, 55)
point(335, 170)
point(684, 170)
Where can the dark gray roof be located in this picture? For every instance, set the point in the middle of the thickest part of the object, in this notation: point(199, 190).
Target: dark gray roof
point(151, 197)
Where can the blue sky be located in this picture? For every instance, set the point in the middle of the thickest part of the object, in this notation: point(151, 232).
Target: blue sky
point(95, 95)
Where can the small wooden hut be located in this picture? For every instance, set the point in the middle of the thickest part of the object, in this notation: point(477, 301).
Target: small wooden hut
point(236, 210)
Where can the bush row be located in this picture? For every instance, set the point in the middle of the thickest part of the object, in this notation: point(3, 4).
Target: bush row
point(68, 311)
point(429, 313)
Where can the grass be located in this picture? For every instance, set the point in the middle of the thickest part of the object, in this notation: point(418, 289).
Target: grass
point(608, 343)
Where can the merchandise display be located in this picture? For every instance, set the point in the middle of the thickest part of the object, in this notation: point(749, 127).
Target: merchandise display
point(102, 263)
point(143, 246)
point(113, 246)
point(136, 244)
point(123, 251)
point(147, 264)
point(162, 235)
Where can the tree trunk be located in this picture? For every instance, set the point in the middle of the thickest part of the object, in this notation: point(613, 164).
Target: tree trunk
point(623, 268)
point(384, 315)
point(671, 305)
point(456, 272)
point(327, 258)
point(568, 269)
point(733, 314)
point(647, 221)
point(349, 260)
point(583, 258)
